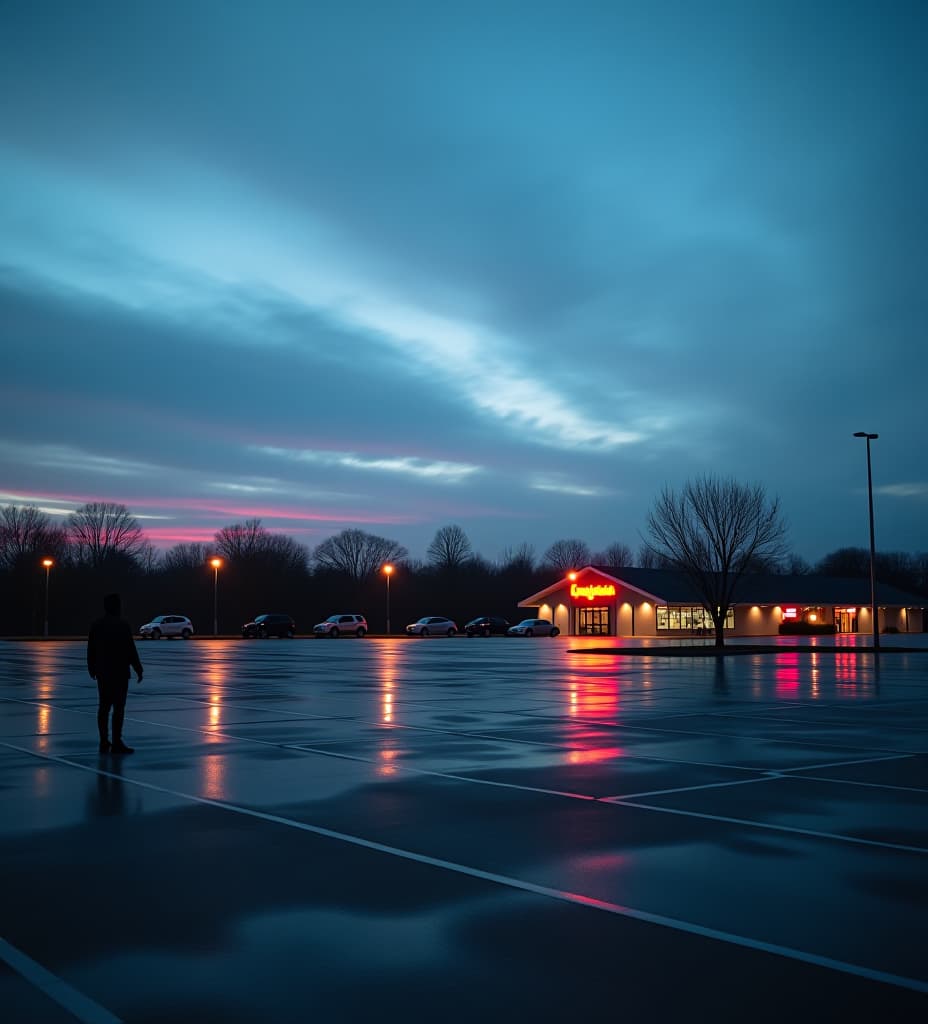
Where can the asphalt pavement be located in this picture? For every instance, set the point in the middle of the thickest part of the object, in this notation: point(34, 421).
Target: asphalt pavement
point(464, 829)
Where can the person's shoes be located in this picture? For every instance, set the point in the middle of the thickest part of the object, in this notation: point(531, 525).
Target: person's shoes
point(118, 747)
point(105, 746)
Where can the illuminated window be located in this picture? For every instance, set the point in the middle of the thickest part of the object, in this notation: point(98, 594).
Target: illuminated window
point(689, 617)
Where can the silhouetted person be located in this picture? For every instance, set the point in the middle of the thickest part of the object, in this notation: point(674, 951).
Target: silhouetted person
point(110, 654)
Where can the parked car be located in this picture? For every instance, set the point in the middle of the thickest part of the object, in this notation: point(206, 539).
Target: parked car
point(533, 627)
point(432, 625)
point(335, 625)
point(484, 625)
point(167, 625)
point(273, 624)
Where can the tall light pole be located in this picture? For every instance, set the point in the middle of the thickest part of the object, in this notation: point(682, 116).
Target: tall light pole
point(874, 613)
point(48, 563)
point(215, 563)
point(388, 572)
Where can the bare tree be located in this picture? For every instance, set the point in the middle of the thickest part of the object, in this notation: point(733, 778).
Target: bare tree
point(520, 559)
point(102, 530)
point(286, 553)
point(712, 530)
point(150, 558)
point(616, 556)
point(357, 554)
point(566, 554)
point(795, 565)
point(241, 541)
point(250, 543)
point(185, 556)
point(26, 535)
point(449, 549)
point(649, 559)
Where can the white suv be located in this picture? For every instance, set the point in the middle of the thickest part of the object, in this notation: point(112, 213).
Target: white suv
point(167, 625)
point(335, 625)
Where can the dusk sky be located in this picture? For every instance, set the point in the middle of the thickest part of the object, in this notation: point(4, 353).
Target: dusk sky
point(511, 266)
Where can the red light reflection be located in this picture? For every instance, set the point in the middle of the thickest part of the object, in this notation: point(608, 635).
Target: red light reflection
point(595, 756)
point(787, 678)
point(592, 697)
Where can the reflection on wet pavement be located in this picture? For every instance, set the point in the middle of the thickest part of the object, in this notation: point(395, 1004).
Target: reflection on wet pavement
point(771, 803)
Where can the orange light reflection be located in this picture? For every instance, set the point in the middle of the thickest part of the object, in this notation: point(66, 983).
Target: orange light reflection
point(214, 774)
point(215, 673)
point(387, 757)
point(387, 667)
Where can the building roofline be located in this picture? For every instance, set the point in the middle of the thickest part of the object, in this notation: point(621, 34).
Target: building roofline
point(536, 599)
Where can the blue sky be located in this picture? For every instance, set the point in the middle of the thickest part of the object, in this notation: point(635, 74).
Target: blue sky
point(510, 266)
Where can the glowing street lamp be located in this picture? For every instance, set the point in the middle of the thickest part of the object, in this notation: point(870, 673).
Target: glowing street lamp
point(48, 563)
point(388, 572)
point(873, 609)
point(216, 563)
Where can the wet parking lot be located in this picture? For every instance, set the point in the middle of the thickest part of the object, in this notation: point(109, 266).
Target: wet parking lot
point(463, 829)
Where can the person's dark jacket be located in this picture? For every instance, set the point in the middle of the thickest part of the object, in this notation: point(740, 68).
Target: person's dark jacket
point(111, 650)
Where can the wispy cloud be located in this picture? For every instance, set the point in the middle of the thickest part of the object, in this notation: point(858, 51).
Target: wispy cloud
point(182, 262)
point(910, 490)
point(560, 485)
point(59, 456)
point(440, 471)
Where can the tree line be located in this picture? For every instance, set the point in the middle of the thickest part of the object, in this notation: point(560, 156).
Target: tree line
point(101, 547)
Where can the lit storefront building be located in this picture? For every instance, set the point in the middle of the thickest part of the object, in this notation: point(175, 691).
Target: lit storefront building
point(599, 601)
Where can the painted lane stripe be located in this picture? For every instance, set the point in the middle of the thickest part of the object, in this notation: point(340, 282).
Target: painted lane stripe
point(758, 774)
point(846, 764)
point(770, 826)
point(564, 896)
point(865, 785)
point(687, 789)
point(705, 734)
point(58, 990)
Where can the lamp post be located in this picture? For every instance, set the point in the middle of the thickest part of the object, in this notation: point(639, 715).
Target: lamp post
point(388, 572)
point(873, 608)
point(48, 563)
point(215, 563)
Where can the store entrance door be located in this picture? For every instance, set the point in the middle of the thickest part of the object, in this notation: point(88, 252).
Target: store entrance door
point(845, 620)
point(593, 621)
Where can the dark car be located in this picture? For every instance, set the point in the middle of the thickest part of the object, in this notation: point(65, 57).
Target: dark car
point(484, 625)
point(534, 627)
point(270, 625)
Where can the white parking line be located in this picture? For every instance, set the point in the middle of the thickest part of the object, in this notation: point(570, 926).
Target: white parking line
point(771, 826)
point(687, 789)
point(758, 774)
point(686, 927)
point(58, 990)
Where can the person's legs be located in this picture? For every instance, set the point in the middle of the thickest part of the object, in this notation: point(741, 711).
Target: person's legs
point(103, 714)
point(120, 692)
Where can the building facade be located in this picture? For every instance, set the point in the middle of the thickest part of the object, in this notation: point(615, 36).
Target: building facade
point(628, 602)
